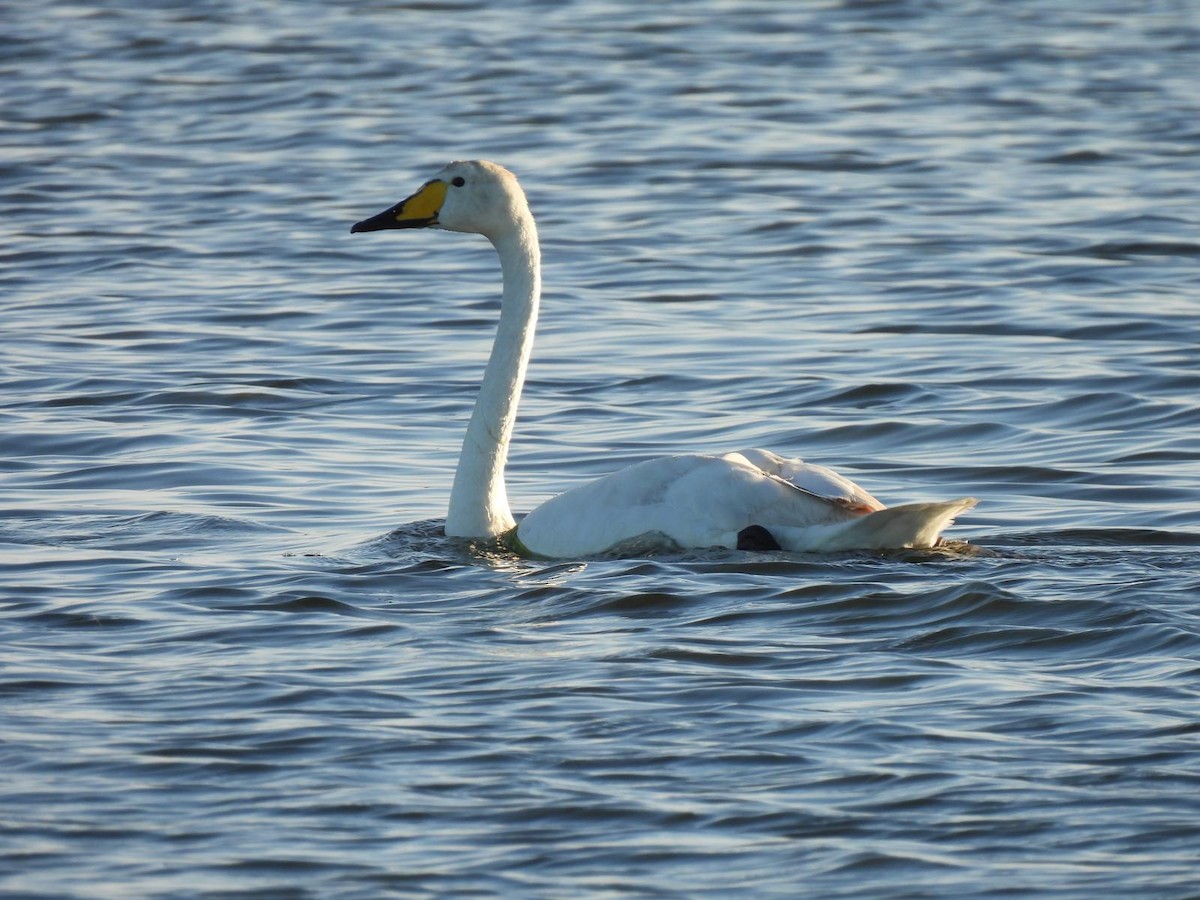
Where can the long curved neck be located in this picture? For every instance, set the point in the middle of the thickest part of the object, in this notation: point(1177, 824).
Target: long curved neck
point(478, 500)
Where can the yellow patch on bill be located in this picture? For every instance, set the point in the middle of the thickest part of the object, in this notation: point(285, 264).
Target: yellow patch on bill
point(424, 204)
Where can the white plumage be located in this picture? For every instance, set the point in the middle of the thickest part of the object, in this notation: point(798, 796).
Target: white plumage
point(690, 501)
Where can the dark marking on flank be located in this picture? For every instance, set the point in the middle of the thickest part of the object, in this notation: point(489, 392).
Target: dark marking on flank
point(756, 539)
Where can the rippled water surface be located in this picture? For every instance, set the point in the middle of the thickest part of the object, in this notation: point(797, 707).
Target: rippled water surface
point(949, 248)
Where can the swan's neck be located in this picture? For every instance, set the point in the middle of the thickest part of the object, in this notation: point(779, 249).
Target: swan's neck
point(478, 500)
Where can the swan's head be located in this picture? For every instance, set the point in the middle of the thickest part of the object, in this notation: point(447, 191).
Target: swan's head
point(476, 196)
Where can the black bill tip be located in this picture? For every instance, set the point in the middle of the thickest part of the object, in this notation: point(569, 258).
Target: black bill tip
point(386, 219)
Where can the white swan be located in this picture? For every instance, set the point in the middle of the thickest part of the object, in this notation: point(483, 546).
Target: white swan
point(753, 499)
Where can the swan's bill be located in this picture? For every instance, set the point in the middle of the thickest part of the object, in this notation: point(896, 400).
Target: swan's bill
point(418, 211)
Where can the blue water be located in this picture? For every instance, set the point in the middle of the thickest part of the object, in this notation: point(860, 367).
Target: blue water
point(947, 248)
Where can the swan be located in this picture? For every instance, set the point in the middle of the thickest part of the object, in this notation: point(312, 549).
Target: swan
point(752, 499)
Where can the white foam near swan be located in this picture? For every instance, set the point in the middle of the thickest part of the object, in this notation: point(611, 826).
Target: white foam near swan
point(753, 499)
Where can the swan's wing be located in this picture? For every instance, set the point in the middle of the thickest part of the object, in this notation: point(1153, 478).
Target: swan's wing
point(810, 477)
point(706, 501)
point(687, 501)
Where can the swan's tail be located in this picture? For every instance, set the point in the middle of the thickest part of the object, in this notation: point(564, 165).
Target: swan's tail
point(909, 525)
point(915, 525)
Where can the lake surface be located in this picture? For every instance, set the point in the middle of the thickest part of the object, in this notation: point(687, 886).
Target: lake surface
point(947, 248)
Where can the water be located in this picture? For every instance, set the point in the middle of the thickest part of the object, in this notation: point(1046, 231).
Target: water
point(946, 248)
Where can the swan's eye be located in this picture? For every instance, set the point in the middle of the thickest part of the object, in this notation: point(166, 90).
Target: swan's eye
point(458, 181)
